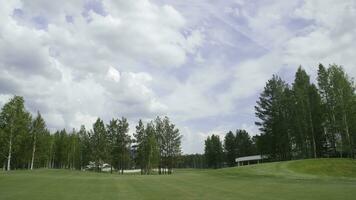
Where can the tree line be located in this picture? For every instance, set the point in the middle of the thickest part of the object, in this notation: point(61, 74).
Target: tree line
point(220, 153)
point(307, 120)
point(26, 143)
point(297, 121)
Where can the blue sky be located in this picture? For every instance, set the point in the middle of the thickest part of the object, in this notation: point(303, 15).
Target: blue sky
point(202, 63)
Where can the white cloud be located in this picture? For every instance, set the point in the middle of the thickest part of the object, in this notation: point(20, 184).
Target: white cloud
point(113, 74)
point(186, 59)
point(66, 70)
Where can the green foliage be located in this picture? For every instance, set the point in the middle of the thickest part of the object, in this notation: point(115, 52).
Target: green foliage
point(238, 145)
point(85, 150)
point(139, 139)
point(99, 143)
point(171, 140)
point(230, 149)
point(26, 143)
point(214, 155)
point(15, 124)
point(150, 149)
point(40, 137)
point(195, 161)
point(158, 145)
point(305, 121)
point(271, 109)
point(244, 145)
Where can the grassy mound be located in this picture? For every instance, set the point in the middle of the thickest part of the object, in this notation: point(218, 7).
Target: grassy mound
point(344, 168)
point(325, 167)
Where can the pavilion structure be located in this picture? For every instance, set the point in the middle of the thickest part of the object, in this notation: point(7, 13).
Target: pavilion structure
point(256, 159)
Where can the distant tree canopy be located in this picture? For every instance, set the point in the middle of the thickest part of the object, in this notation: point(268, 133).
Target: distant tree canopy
point(219, 153)
point(26, 143)
point(195, 161)
point(214, 151)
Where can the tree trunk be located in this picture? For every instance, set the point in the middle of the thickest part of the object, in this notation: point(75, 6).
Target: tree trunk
point(342, 150)
point(313, 134)
point(10, 152)
point(333, 132)
point(33, 151)
point(348, 135)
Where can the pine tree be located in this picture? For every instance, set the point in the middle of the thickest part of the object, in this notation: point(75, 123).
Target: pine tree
point(140, 142)
point(99, 141)
point(273, 115)
point(243, 143)
point(213, 151)
point(123, 144)
point(317, 119)
point(85, 147)
point(304, 116)
point(230, 148)
point(171, 144)
point(112, 130)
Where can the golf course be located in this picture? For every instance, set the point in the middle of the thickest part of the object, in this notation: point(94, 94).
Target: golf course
point(303, 179)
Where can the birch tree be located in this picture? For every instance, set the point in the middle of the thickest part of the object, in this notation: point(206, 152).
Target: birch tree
point(38, 129)
point(15, 122)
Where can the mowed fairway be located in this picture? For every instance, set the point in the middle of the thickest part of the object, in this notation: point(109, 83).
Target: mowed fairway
point(308, 179)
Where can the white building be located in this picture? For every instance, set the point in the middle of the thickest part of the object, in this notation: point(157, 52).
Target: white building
point(249, 160)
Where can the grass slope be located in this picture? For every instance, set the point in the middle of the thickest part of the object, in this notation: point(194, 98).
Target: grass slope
point(307, 179)
point(310, 168)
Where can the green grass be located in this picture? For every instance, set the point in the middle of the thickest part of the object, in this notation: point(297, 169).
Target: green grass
point(307, 179)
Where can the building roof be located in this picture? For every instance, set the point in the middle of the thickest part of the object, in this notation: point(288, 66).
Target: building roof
point(248, 158)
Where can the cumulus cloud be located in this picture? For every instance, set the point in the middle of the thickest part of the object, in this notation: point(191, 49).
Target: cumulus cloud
point(85, 59)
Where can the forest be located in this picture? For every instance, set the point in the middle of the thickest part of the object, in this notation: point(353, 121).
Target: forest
point(26, 143)
point(298, 121)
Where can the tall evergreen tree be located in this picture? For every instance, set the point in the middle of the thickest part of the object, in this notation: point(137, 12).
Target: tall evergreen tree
point(317, 118)
point(273, 122)
point(112, 130)
point(140, 142)
point(171, 140)
point(243, 144)
point(213, 151)
point(85, 147)
point(304, 116)
point(123, 144)
point(99, 143)
point(230, 148)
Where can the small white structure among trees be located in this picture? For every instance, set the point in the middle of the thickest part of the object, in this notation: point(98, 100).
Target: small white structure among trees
point(256, 159)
